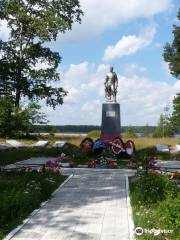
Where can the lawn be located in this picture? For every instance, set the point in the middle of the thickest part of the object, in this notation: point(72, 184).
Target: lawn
point(155, 202)
point(21, 193)
point(14, 155)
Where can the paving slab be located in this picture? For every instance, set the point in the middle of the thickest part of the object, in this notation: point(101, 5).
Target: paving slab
point(173, 166)
point(91, 205)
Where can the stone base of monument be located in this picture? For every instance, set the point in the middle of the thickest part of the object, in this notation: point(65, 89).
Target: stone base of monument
point(111, 124)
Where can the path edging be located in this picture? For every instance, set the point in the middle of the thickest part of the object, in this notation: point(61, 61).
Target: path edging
point(18, 228)
point(129, 212)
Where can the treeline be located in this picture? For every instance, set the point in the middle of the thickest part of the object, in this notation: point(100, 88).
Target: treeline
point(145, 130)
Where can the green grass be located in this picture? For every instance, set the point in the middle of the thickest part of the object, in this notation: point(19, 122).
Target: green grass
point(12, 156)
point(156, 205)
point(146, 142)
point(21, 193)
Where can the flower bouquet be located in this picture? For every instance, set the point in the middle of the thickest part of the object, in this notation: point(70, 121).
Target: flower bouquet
point(91, 164)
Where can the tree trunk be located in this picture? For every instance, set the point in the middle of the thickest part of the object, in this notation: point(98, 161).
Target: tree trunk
point(19, 70)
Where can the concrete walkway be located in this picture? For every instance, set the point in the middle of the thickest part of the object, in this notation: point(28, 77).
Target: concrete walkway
point(91, 205)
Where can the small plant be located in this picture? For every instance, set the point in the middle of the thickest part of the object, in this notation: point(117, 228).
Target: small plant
point(149, 190)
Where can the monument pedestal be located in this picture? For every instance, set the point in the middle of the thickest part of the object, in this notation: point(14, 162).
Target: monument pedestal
point(111, 123)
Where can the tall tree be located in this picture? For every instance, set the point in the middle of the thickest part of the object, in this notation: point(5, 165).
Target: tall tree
point(28, 66)
point(172, 51)
point(175, 118)
point(164, 128)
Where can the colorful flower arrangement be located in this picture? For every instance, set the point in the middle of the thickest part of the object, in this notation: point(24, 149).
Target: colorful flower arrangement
point(134, 164)
point(91, 164)
point(151, 161)
point(113, 164)
point(53, 165)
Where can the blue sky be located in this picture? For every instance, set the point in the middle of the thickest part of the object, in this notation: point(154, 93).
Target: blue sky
point(129, 35)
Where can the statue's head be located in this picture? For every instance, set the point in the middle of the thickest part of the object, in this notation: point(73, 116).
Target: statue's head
point(111, 69)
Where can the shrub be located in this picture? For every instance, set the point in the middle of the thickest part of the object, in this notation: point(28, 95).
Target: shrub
point(94, 134)
point(169, 214)
point(152, 189)
point(74, 152)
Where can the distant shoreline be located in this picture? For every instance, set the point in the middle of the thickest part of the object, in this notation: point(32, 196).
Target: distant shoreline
point(62, 134)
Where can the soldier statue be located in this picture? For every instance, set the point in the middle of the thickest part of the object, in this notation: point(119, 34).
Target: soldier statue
point(111, 85)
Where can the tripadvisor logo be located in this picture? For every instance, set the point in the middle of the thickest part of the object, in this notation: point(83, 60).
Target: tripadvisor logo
point(140, 231)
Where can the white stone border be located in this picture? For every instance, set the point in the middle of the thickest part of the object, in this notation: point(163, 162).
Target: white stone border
point(17, 229)
point(129, 212)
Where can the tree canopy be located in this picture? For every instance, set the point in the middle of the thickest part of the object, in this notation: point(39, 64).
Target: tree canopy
point(175, 118)
point(28, 66)
point(172, 51)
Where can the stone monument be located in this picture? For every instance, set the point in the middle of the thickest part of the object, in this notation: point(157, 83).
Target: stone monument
point(111, 125)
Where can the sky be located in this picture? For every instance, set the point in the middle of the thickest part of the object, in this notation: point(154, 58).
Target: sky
point(128, 35)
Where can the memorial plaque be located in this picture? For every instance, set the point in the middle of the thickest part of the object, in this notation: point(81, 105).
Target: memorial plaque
point(110, 114)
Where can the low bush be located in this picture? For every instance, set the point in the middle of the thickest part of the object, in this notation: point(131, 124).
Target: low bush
point(152, 189)
point(74, 152)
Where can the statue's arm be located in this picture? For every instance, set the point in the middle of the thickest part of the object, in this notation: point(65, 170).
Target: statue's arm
point(116, 81)
point(106, 80)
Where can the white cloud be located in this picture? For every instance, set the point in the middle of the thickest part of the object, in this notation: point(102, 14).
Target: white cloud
point(103, 15)
point(165, 67)
point(129, 45)
point(4, 31)
point(142, 100)
point(134, 68)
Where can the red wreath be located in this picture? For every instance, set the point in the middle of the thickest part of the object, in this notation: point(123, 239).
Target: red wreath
point(129, 148)
point(117, 146)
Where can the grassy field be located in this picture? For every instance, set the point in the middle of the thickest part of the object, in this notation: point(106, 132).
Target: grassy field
point(150, 142)
point(139, 142)
point(21, 193)
point(144, 147)
point(50, 139)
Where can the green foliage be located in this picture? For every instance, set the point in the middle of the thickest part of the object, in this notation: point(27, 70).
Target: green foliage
point(29, 69)
point(164, 128)
point(74, 152)
point(28, 66)
point(172, 51)
point(94, 134)
point(149, 190)
point(175, 118)
point(21, 193)
point(130, 133)
point(169, 213)
point(16, 121)
point(156, 209)
point(14, 155)
point(146, 131)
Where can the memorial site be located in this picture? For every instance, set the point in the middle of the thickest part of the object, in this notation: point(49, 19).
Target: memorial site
point(89, 120)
